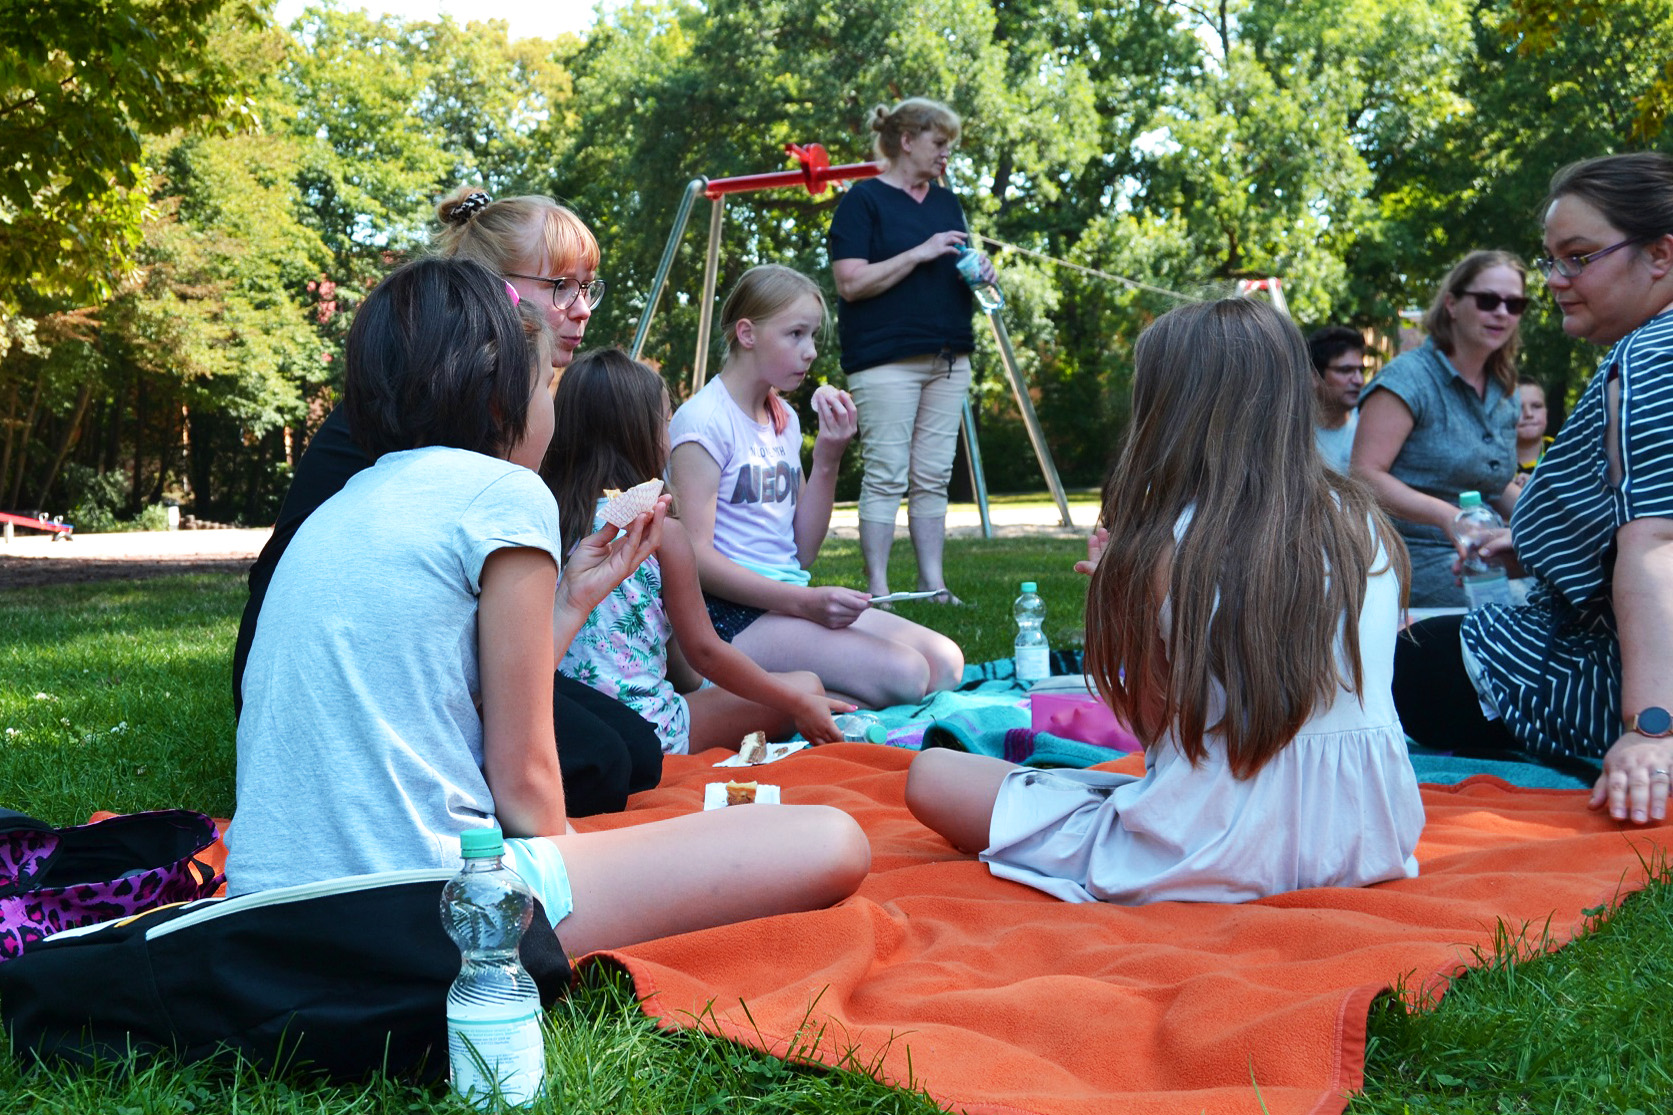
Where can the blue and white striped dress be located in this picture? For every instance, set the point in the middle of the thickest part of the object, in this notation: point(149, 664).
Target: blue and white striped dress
point(1553, 666)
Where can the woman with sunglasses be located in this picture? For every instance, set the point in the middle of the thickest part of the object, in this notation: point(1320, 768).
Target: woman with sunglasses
point(550, 258)
point(1441, 419)
point(1583, 670)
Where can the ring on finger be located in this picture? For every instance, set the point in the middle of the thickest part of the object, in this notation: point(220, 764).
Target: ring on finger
point(1659, 772)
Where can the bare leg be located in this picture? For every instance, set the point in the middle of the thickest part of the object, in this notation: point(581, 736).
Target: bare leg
point(876, 540)
point(929, 536)
point(953, 793)
point(720, 718)
point(706, 869)
point(880, 660)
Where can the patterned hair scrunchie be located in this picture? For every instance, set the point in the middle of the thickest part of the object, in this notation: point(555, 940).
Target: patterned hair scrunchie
point(466, 209)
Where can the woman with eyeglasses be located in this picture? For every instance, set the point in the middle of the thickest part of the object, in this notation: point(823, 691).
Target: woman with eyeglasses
point(1583, 670)
point(550, 258)
point(1441, 419)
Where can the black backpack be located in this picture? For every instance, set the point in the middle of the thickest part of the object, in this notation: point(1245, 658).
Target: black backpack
point(340, 979)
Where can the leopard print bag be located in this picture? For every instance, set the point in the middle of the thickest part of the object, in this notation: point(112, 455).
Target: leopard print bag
point(53, 879)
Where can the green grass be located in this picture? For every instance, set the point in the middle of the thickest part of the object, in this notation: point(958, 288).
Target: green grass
point(1588, 1028)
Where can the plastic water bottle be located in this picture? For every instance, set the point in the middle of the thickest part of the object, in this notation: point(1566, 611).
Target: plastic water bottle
point(1485, 581)
point(861, 727)
point(988, 295)
point(1033, 655)
point(494, 1041)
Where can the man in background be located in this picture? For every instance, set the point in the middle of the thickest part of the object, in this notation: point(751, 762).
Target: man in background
point(1339, 359)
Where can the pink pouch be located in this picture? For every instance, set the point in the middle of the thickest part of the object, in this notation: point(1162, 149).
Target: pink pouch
point(1081, 716)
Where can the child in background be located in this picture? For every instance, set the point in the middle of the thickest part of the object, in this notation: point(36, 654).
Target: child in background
point(1531, 442)
point(612, 432)
point(1241, 617)
point(400, 690)
point(756, 523)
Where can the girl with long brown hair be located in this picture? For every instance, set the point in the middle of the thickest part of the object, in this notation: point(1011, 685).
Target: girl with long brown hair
point(1241, 617)
point(611, 431)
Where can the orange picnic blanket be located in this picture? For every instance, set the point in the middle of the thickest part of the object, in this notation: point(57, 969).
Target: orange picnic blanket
point(993, 997)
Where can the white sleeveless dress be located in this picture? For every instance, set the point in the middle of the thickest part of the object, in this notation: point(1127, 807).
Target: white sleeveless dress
point(1338, 807)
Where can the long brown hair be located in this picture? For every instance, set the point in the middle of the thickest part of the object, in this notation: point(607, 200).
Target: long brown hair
point(1501, 362)
point(609, 430)
point(1271, 569)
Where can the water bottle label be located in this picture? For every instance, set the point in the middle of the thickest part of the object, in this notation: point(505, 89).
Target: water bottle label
point(1491, 587)
point(507, 1052)
point(1033, 663)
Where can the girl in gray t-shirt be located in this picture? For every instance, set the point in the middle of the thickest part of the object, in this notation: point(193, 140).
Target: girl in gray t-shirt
point(399, 688)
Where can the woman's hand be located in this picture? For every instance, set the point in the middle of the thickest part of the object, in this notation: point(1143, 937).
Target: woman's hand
point(941, 244)
point(1634, 783)
point(839, 421)
point(1498, 547)
point(603, 560)
point(834, 606)
point(1094, 551)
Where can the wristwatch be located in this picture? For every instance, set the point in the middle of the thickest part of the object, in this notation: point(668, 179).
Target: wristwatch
point(1653, 721)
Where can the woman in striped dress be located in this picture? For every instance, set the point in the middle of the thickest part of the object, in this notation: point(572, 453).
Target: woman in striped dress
point(1584, 670)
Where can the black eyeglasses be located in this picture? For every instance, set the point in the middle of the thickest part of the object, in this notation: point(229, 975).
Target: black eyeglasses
point(1569, 267)
point(1486, 301)
point(566, 290)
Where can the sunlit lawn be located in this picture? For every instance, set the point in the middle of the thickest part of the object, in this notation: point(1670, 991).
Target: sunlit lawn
point(116, 696)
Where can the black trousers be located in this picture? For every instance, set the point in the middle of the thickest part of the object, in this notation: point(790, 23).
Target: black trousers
point(1436, 700)
point(607, 751)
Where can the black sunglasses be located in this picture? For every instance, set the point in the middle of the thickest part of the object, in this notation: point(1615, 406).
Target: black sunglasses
point(1486, 301)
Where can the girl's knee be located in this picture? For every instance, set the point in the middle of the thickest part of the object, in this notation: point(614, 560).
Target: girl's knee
point(805, 681)
point(924, 778)
point(840, 851)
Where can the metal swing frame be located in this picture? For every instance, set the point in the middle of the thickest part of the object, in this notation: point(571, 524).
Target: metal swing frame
point(816, 174)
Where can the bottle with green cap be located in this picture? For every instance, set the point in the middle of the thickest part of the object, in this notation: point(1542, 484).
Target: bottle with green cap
point(861, 727)
point(495, 1046)
point(1033, 654)
point(1485, 581)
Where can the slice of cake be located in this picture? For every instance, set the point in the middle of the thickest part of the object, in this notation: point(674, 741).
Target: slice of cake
point(621, 508)
point(753, 749)
point(741, 793)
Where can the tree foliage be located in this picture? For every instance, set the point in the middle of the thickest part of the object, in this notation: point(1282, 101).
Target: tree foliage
point(192, 202)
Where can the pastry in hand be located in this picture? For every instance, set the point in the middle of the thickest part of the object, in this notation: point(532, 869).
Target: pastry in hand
point(753, 749)
point(741, 793)
point(621, 508)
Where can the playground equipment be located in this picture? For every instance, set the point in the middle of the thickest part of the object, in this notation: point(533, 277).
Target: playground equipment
point(57, 527)
point(816, 174)
point(1274, 288)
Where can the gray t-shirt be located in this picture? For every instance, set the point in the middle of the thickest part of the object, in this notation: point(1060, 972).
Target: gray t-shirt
point(1460, 442)
point(360, 744)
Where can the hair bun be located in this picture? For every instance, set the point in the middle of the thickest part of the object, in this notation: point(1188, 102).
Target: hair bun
point(466, 209)
point(879, 118)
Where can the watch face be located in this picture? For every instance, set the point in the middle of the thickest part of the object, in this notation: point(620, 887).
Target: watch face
point(1654, 721)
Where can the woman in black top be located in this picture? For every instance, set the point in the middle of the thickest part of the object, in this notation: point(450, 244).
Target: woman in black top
point(903, 318)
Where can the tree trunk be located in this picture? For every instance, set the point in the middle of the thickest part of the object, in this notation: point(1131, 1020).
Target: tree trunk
point(9, 423)
point(67, 440)
point(23, 443)
point(139, 442)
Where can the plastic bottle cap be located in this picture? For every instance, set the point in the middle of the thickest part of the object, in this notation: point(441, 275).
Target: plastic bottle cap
point(876, 733)
point(1029, 586)
point(479, 843)
point(1467, 500)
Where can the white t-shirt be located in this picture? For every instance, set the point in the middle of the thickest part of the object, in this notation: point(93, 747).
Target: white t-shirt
point(360, 743)
point(760, 477)
point(1336, 446)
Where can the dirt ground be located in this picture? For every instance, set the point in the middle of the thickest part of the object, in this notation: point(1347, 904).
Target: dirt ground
point(16, 572)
